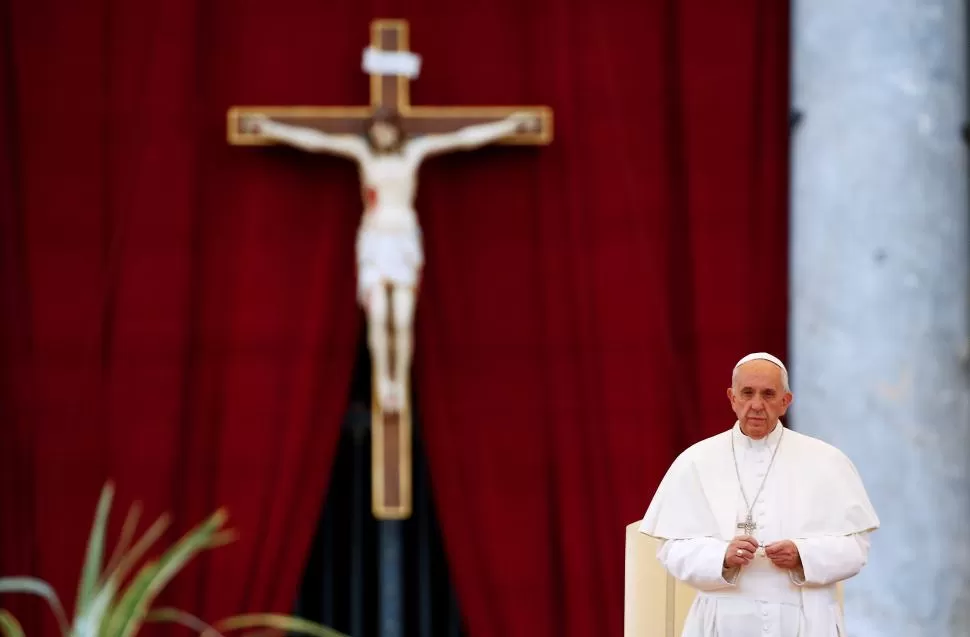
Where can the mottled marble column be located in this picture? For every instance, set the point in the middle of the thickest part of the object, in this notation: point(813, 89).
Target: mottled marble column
point(879, 291)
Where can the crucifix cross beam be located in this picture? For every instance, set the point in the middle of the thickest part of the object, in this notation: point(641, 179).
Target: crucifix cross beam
point(389, 91)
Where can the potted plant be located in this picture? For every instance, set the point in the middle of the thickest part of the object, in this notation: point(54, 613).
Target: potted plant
point(112, 604)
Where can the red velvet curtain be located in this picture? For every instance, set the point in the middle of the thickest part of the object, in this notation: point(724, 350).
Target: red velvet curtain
point(584, 303)
point(178, 314)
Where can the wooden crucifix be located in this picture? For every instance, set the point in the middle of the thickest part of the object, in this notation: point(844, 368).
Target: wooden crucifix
point(388, 140)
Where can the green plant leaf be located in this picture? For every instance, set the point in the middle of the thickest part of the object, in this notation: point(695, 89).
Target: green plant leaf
point(124, 610)
point(140, 596)
point(103, 614)
point(183, 618)
point(124, 540)
point(9, 626)
point(127, 561)
point(93, 560)
point(275, 621)
point(97, 614)
point(88, 623)
point(35, 586)
point(92, 619)
point(222, 538)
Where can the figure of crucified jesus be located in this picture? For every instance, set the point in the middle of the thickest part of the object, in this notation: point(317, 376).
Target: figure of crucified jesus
point(389, 250)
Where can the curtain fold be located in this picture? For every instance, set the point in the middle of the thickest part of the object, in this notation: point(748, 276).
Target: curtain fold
point(178, 314)
point(584, 302)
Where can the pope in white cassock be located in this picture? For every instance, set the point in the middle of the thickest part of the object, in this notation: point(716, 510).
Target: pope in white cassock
point(762, 521)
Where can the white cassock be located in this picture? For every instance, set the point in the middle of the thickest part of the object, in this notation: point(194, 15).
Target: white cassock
point(813, 496)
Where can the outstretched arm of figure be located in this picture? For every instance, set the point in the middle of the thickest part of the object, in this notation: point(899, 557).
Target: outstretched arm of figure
point(471, 136)
point(309, 139)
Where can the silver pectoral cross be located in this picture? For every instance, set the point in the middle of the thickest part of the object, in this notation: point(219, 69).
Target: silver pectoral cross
point(748, 526)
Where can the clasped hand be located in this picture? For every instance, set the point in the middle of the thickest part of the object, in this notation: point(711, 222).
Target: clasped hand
point(741, 550)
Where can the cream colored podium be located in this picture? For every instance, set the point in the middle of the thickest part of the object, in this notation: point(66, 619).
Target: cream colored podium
point(654, 603)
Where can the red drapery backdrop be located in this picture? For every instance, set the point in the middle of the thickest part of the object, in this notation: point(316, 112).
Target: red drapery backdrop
point(179, 314)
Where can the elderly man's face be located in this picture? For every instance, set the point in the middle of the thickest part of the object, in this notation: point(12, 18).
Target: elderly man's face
point(758, 398)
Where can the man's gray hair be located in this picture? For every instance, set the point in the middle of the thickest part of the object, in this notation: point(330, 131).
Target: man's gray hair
point(763, 356)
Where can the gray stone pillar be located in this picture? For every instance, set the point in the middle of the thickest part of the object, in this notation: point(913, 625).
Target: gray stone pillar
point(879, 291)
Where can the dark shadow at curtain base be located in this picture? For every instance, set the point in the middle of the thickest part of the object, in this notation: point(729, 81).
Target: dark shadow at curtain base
point(341, 582)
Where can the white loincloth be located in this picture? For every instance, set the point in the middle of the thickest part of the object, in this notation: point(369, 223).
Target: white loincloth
point(385, 256)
